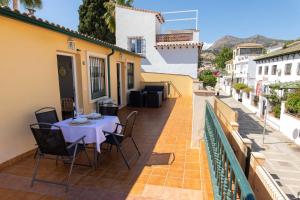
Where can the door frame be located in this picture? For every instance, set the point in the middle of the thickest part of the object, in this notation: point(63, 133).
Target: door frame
point(74, 67)
point(119, 69)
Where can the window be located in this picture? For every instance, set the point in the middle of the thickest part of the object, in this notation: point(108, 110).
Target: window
point(130, 76)
point(259, 70)
point(97, 77)
point(266, 70)
point(274, 69)
point(288, 69)
point(137, 45)
point(298, 69)
point(251, 51)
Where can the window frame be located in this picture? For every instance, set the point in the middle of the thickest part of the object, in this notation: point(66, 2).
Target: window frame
point(266, 69)
point(285, 69)
point(133, 74)
point(272, 69)
point(298, 69)
point(142, 44)
point(260, 70)
point(100, 56)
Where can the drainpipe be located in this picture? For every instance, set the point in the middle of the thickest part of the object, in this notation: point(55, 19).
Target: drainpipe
point(108, 70)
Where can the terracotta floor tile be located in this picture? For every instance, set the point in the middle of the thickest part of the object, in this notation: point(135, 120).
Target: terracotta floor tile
point(176, 173)
point(192, 184)
point(156, 180)
point(174, 182)
point(161, 132)
point(159, 172)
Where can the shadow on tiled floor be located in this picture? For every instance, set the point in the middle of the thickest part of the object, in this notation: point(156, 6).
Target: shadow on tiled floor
point(167, 169)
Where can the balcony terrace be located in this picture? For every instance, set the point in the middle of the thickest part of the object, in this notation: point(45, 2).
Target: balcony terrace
point(167, 169)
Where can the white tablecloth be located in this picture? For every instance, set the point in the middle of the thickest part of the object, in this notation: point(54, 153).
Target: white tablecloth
point(93, 131)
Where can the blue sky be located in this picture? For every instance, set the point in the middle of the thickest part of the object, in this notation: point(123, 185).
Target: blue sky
point(242, 18)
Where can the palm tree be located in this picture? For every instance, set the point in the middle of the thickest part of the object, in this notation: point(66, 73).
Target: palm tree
point(109, 16)
point(27, 3)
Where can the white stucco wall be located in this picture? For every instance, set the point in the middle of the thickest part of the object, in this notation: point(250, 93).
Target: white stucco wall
point(246, 70)
point(269, 78)
point(131, 23)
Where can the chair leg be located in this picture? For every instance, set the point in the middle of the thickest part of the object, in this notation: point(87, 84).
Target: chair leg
point(35, 154)
point(36, 166)
point(136, 146)
point(71, 169)
point(124, 158)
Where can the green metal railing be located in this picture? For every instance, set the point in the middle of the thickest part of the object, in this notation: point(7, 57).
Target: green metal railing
point(229, 180)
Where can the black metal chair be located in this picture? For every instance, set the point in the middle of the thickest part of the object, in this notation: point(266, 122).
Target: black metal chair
point(109, 109)
point(116, 138)
point(46, 115)
point(50, 141)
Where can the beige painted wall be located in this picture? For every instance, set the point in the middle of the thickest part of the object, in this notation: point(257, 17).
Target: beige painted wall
point(29, 79)
point(181, 83)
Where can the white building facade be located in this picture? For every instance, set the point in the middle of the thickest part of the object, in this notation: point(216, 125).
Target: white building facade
point(278, 66)
point(174, 52)
point(244, 67)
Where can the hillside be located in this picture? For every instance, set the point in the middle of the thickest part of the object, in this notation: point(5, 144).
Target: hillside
point(231, 41)
point(208, 55)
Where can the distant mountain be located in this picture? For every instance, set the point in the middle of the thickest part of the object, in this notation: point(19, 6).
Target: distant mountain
point(231, 41)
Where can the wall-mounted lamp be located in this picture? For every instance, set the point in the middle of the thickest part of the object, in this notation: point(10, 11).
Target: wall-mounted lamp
point(71, 43)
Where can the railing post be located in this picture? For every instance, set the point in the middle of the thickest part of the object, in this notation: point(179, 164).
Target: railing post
point(248, 150)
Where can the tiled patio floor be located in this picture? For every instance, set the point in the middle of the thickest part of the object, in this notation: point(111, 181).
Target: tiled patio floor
point(167, 169)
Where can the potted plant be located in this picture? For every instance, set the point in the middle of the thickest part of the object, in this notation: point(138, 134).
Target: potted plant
point(255, 100)
point(238, 87)
point(247, 90)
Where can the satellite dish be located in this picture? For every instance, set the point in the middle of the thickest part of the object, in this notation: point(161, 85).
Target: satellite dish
point(295, 133)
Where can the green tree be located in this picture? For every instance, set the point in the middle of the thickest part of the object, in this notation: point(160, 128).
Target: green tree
point(222, 57)
point(27, 3)
point(109, 16)
point(208, 78)
point(92, 22)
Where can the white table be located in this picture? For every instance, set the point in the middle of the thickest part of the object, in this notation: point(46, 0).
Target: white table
point(93, 130)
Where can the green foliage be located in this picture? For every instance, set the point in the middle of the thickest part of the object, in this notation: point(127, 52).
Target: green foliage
point(222, 57)
point(293, 103)
point(239, 86)
point(273, 98)
point(247, 90)
point(208, 78)
point(277, 109)
point(26, 3)
point(91, 20)
point(4, 2)
point(32, 3)
point(109, 16)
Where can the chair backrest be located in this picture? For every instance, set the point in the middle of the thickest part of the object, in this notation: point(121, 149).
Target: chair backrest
point(130, 120)
point(49, 139)
point(108, 109)
point(46, 115)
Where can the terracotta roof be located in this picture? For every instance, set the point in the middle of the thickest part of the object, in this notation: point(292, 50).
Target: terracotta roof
point(249, 45)
point(291, 49)
point(178, 44)
point(157, 14)
point(24, 17)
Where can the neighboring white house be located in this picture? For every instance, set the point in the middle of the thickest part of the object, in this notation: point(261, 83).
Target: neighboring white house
point(226, 80)
point(278, 66)
point(171, 52)
point(244, 67)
